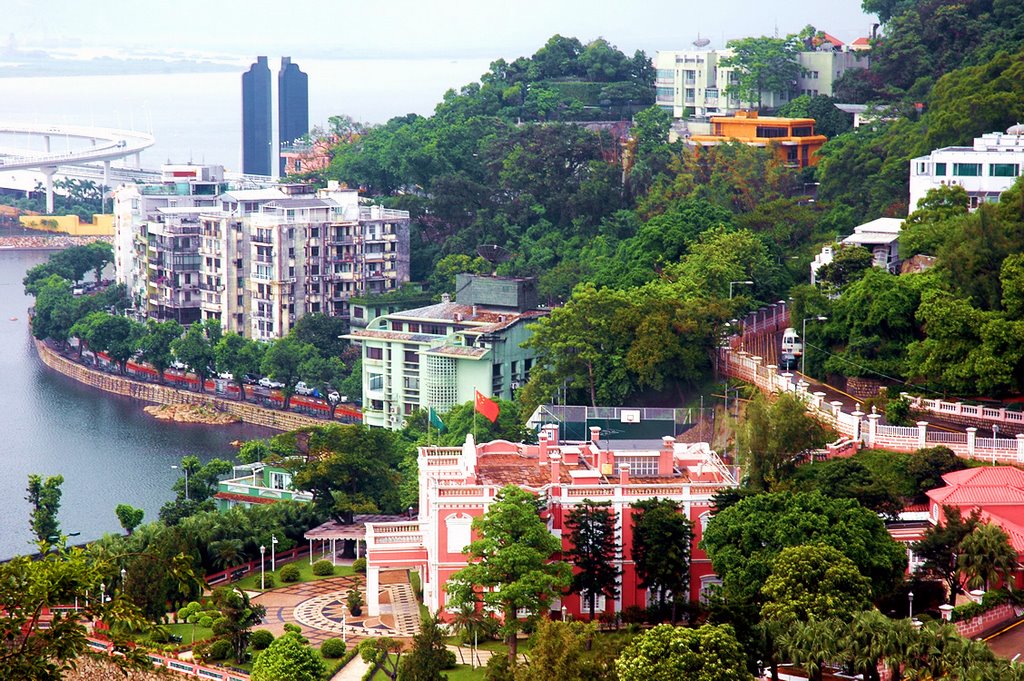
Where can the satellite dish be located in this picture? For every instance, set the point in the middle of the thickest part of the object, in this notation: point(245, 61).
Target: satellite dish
point(493, 253)
point(701, 42)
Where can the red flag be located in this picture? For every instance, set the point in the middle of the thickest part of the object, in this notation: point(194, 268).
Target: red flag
point(486, 406)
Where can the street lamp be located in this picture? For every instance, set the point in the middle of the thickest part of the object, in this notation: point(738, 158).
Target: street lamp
point(344, 623)
point(565, 610)
point(186, 479)
point(910, 600)
point(263, 581)
point(745, 281)
point(803, 337)
point(124, 575)
point(995, 437)
point(273, 553)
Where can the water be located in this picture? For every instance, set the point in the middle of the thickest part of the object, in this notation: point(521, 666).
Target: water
point(198, 116)
point(108, 450)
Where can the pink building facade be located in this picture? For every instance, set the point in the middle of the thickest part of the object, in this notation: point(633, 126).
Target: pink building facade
point(457, 484)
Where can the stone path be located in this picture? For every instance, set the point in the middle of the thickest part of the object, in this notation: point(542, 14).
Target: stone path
point(404, 608)
point(353, 671)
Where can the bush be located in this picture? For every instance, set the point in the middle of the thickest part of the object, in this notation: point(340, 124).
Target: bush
point(289, 573)
point(260, 639)
point(359, 565)
point(634, 614)
point(159, 635)
point(323, 568)
point(220, 649)
point(332, 648)
point(354, 600)
point(268, 580)
point(450, 661)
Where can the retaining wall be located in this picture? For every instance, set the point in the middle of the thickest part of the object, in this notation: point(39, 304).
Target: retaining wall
point(165, 394)
point(1001, 614)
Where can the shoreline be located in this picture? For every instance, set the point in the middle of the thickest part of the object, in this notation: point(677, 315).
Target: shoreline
point(27, 242)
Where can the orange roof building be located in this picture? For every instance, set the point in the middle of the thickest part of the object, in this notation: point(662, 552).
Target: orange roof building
point(793, 139)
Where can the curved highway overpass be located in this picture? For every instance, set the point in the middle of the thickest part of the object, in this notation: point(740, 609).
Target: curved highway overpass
point(96, 145)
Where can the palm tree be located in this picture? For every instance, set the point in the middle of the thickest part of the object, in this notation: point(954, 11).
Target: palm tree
point(227, 553)
point(811, 644)
point(985, 554)
point(864, 642)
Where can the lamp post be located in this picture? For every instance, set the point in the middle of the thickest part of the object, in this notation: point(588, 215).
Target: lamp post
point(732, 283)
point(273, 553)
point(995, 437)
point(124, 576)
point(344, 624)
point(103, 593)
point(565, 610)
point(263, 581)
point(186, 479)
point(910, 601)
point(803, 337)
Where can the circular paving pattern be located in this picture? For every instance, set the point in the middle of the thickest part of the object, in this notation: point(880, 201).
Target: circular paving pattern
point(326, 614)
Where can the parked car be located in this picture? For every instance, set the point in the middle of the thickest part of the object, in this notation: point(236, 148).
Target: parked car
point(302, 389)
point(273, 385)
point(333, 397)
point(251, 379)
point(226, 375)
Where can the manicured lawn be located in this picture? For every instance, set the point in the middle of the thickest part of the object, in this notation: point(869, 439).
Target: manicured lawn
point(464, 672)
point(185, 631)
point(252, 582)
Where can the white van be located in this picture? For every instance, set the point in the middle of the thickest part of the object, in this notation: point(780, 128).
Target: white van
point(791, 343)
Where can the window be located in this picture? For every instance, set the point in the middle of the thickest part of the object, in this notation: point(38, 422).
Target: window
point(374, 353)
point(599, 602)
point(375, 381)
point(966, 169)
point(412, 383)
point(690, 94)
point(803, 131)
point(922, 168)
point(412, 357)
point(940, 169)
point(771, 131)
point(1004, 169)
point(640, 466)
point(459, 531)
point(665, 92)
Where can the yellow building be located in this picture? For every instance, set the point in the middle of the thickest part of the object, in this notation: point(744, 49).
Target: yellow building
point(102, 224)
point(794, 140)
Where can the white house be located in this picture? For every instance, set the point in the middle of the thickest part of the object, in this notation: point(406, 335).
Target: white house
point(985, 170)
point(880, 236)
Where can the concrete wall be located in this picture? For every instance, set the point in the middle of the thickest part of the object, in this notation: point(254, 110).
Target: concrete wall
point(101, 225)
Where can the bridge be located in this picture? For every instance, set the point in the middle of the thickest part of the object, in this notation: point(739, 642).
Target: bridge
point(94, 145)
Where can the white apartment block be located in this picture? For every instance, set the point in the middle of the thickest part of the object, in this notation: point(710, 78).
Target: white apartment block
point(255, 259)
point(695, 84)
point(985, 170)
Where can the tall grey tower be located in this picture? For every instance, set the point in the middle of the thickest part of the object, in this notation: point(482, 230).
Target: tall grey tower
point(257, 130)
point(292, 104)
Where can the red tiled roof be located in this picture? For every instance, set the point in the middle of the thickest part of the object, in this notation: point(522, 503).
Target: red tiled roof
point(231, 496)
point(996, 491)
point(861, 41)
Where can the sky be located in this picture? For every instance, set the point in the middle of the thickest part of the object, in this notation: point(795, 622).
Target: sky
point(407, 28)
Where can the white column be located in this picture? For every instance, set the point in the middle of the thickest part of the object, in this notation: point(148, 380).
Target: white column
point(1020, 447)
point(873, 428)
point(922, 434)
point(859, 415)
point(310, 551)
point(972, 434)
point(373, 591)
point(48, 171)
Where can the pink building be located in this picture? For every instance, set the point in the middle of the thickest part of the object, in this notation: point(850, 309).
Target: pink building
point(457, 484)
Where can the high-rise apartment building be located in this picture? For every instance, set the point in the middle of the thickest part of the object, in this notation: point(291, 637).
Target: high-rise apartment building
point(292, 105)
point(255, 259)
point(257, 140)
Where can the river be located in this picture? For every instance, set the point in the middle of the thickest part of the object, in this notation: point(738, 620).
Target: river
point(107, 449)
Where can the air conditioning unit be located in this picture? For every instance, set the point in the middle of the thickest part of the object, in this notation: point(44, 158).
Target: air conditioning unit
point(393, 420)
point(514, 385)
point(393, 409)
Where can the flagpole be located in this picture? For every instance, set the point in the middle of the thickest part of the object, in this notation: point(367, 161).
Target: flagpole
point(474, 413)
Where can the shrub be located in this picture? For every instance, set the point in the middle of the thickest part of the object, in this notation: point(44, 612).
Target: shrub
point(332, 647)
point(159, 635)
point(260, 639)
point(450, 661)
point(354, 600)
point(268, 581)
point(220, 649)
point(289, 573)
point(323, 568)
point(634, 614)
point(359, 565)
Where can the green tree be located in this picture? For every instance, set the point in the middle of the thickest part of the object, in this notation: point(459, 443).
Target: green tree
point(429, 655)
point(593, 550)
point(129, 517)
point(986, 554)
point(44, 497)
point(385, 654)
point(115, 335)
point(939, 546)
point(323, 332)
point(773, 434)
point(829, 120)
point(238, 356)
point(282, 362)
point(47, 648)
point(927, 466)
point(662, 536)
point(238, 617)
point(568, 651)
point(667, 653)
point(511, 568)
point(288, 657)
point(324, 374)
point(156, 341)
point(813, 582)
point(812, 644)
point(56, 310)
point(847, 265)
point(763, 65)
point(194, 350)
point(349, 470)
point(743, 540)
